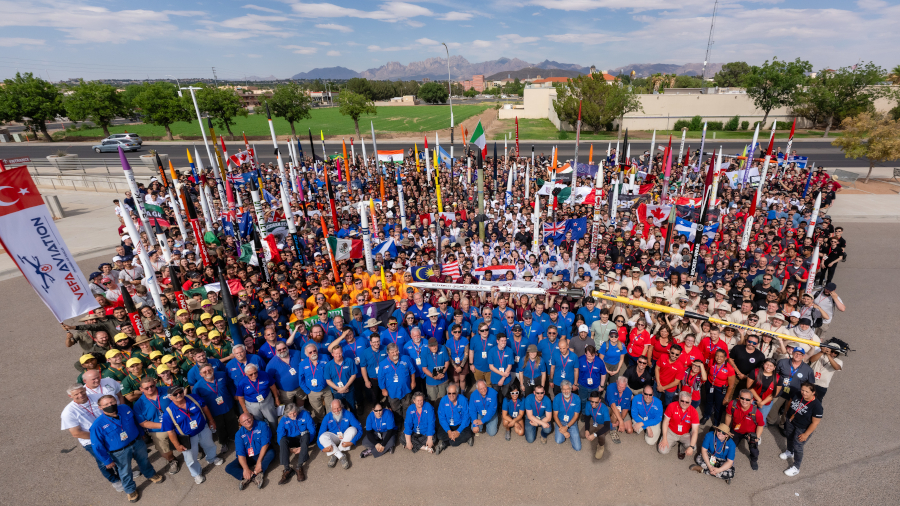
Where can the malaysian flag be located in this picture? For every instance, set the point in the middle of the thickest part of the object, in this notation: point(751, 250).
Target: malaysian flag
point(551, 230)
point(451, 269)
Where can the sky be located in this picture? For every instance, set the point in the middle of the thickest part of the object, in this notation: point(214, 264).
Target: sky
point(94, 39)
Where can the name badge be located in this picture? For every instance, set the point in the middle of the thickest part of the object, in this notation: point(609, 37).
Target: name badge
point(259, 398)
point(515, 414)
point(340, 384)
point(483, 412)
point(376, 369)
point(193, 424)
point(451, 422)
point(357, 361)
point(292, 371)
point(396, 379)
point(219, 400)
point(418, 361)
point(712, 389)
point(712, 460)
point(418, 431)
point(566, 418)
point(562, 375)
point(123, 436)
point(456, 360)
point(250, 452)
point(590, 381)
point(483, 354)
point(340, 435)
point(314, 382)
point(678, 429)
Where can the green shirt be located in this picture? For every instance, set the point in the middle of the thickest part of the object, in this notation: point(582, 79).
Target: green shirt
point(222, 351)
point(116, 374)
point(132, 383)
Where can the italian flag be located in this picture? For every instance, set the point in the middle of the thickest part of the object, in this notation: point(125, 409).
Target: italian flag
point(345, 248)
point(479, 140)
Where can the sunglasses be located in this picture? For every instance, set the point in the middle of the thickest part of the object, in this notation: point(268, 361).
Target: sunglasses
point(642, 362)
point(514, 392)
point(538, 393)
point(452, 393)
point(377, 410)
point(746, 399)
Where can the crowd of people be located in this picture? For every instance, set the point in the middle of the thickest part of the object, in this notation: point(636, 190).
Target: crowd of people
point(300, 364)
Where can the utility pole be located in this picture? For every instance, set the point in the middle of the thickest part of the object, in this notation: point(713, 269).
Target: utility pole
point(450, 90)
point(216, 78)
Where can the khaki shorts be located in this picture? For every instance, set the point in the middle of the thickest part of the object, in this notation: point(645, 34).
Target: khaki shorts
point(480, 375)
point(162, 442)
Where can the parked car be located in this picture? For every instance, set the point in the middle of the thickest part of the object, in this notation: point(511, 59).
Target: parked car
point(112, 146)
point(126, 137)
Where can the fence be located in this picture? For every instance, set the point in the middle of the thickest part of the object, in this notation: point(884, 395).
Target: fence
point(86, 174)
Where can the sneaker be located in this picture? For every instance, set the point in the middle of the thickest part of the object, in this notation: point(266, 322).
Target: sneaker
point(199, 479)
point(118, 486)
point(614, 435)
point(367, 452)
point(332, 461)
point(792, 471)
point(471, 441)
point(218, 461)
point(134, 496)
point(157, 478)
point(438, 448)
point(599, 453)
point(728, 481)
point(696, 468)
point(174, 466)
point(259, 478)
point(786, 455)
point(242, 484)
point(285, 476)
point(395, 447)
point(754, 465)
point(543, 440)
point(345, 462)
point(223, 449)
point(508, 434)
point(704, 420)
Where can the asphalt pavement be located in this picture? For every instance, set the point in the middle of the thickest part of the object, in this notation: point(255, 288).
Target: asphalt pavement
point(852, 458)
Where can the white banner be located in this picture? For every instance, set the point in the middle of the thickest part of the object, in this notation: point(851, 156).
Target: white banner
point(33, 242)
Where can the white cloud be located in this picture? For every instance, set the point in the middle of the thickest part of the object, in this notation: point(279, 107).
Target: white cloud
point(415, 24)
point(333, 53)
point(871, 5)
point(245, 27)
point(20, 41)
point(481, 43)
point(322, 43)
point(634, 5)
point(584, 38)
point(456, 16)
point(427, 42)
point(333, 26)
point(391, 48)
point(388, 11)
point(254, 56)
point(263, 9)
point(300, 49)
point(518, 39)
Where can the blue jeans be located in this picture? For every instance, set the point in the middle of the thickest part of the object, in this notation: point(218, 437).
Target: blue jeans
point(203, 439)
point(765, 412)
point(491, 425)
point(584, 392)
point(103, 469)
point(234, 467)
point(531, 432)
point(348, 399)
point(667, 397)
point(574, 436)
point(122, 458)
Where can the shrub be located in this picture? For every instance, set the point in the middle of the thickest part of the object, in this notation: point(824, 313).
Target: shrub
point(732, 124)
point(563, 135)
point(745, 125)
point(713, 125)
point(682, 124)
point(696, 123)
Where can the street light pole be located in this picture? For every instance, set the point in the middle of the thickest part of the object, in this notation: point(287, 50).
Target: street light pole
point(177, 84)
point(450, 90)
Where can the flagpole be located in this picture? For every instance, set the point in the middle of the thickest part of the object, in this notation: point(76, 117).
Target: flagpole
point(204, 205)
point(480, 169)
point(285, 204)
point(400, 197)
point(577, 143)
point(700, 221)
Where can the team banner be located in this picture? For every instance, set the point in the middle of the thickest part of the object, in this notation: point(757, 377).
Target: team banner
point(156, 215)
point(31, 239)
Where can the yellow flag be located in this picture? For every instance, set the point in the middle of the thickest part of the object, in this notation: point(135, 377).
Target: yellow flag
point(418, 169)
point(384, 287)
point(437, 184)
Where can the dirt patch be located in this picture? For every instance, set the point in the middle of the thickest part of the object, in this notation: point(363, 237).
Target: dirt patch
point(873, 187)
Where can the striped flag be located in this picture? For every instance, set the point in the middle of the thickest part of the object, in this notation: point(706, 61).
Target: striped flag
point(451, 269)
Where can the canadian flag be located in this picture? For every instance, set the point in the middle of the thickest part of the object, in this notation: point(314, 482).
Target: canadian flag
point(652, 216)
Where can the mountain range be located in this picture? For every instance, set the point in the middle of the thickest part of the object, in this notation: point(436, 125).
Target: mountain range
point(461, 69)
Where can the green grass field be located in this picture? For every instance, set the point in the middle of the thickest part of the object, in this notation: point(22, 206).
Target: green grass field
point(541, 129)
point(330, 121)
point(747, 134)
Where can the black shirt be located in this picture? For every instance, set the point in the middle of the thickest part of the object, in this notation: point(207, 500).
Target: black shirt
point(636, 381)
point(747, 362)
point(801, 413)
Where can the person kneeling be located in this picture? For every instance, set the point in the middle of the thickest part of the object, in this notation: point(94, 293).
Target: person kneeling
point(338, 433)
point(716, 457)
point(251, 445)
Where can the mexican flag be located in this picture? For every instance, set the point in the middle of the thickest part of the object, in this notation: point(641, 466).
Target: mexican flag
point(546, 188)
point(345, 248)
point(479, 140)
point(583, 195)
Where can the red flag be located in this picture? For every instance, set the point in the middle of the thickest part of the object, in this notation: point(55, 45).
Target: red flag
point(273, 254)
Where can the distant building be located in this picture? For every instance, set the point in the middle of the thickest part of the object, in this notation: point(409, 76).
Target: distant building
point(476, 83)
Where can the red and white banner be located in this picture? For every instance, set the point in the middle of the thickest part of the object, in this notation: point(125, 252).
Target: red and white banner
point(451, 269)
point(31, 239)
point(497, 271)
point(390, 155)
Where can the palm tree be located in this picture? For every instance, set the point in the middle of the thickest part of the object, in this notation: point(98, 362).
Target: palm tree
point(894, 76)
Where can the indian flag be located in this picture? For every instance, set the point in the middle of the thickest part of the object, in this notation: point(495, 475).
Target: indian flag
point(479, 140)
point(344, 249)
point(390, 155)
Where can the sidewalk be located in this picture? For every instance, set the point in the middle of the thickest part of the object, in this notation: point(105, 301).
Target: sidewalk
point(89, 228)
point(861, 208)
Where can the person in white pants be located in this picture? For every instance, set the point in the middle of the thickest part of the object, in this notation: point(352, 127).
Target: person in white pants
point(339, 442)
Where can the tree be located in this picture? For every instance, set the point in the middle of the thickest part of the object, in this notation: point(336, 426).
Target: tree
point(361, 86)
point(31, 100)
point(894, 76)
point(873, 136)
point(776, 84)
point(433, 93)
point(845, 92)
point(355, 105)
point(732, 74)
point(602, 103)
point(471, 93)
point(221, 104)
point(161, 106)
point(407, 88)
point(95, 101)
point(291, 102)
point(383, 90)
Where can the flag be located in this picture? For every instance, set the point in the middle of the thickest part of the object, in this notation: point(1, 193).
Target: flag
point(381, 311)
point(268, 196)
point(654, 215)
point(685, 228)
point(240, 158)
point(270, 245)
point(497, 271)
point(421, 273)
point(709, 232)
point(577, 227)
point(248, 254)
point(386, 247)
point(445, 157)
point(687, 212)
point(551, 230)
point(156, 215)
point(227, 227)
point(479, 139)
point(245, 227)
point(33, 242)
point(547, 189)
point(583, 195)
point(451, 269)
point(390, 155)
point(345, 248)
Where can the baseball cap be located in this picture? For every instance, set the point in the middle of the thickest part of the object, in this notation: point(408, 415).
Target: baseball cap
point(112, 353)
point(132, 361)
point(120, 337)
point(84, 358)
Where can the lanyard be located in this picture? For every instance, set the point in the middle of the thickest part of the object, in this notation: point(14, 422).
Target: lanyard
point(88, 409)
point(591, 372)
point(214, 386)
point(531, 365)
point(393, 337)
point(314, 367)
point(250, 437)
point(419, 419)
point(256, 386)
point(456, 343)
point(515, 405)
point(619, 399)
point(566, 363)
point(797, 411)
point(684, 414)
point(716, 449)
point(567, 404)
point(186, 413)
point(595, 413)
point(500, 357)
point(536, 405)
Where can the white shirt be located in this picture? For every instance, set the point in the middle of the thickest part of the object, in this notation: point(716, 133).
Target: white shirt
point(81, 416)
point(107, 386)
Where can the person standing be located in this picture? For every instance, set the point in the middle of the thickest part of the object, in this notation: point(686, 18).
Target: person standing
point(189, 423)
point(77, 417)
point(116, 441)
point(149, 409)
point(824, 364)
point(720, 386)
point(397, 379)
point(746, 421)
point(596, 422)
point(295, 430)
point(435, 365)
point(312, 381)
point(253, 453)
point(793, 372)
point(258, 396)
point(483, 409)
point(218, 395)
point(803, 416)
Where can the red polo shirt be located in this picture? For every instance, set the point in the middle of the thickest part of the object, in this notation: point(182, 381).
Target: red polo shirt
point(744, 422)
point(670, 371)
point(680, 421)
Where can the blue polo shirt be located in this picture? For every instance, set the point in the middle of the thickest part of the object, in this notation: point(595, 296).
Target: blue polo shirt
point(249, 443)
point(419, 423)
point(481, 349)
point(296, 428)
point(648, 414)
point(414, 352)
point(430, 361)
point(465, 328)
point(109, 434)
point(569, 318)
point(621, 400)
point(437, 331)
point(457, 349)
point(502, 359)
point(483, 407)
point(267, 352)
point(190, 419)
point(370, 359)
point(421, 313)
point(453, 415)
point(547, 348)
point(565, 366)
point(721, 451)
point(611, 352)
point(340, 374)
point(538, 409)
point(589, 373)
point(312, 376)
point(255, 391)
point(396, 378)
point(541, 319)
point(329, 424)
point(400, 337)
point(235, 369)
point(563, 327)
point(596, 416)
point(513, 407)
point(566, 410)
point(285, 375)
point(531, 370)
point(383, 424)
point(217, 395)
point(589, 316)
point(151, 411)
point(193, 375)
point(531, 332)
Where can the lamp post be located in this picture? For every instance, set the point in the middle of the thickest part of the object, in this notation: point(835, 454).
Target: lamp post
point(177, 84)
point(450, 90)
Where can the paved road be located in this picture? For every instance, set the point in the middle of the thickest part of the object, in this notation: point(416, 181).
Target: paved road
point(852, 458)
point(820, 152)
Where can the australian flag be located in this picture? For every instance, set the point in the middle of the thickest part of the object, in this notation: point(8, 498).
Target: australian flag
point(578, 228)
point(245, 227)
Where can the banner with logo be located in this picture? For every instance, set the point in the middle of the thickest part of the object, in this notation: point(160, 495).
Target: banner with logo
point(31, 239)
